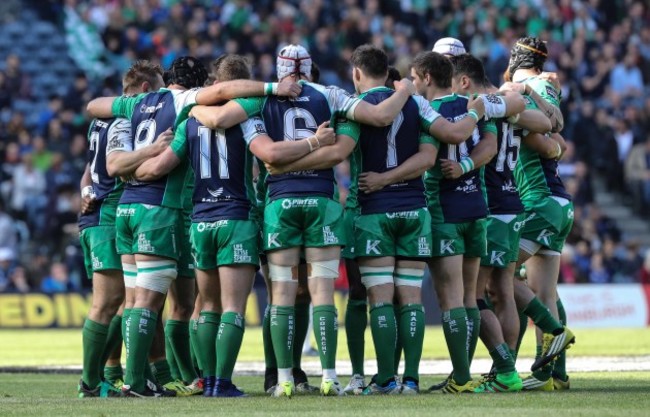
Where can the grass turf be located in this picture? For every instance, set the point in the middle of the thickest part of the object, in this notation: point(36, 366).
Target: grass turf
point(592, 394)
point(63, 347)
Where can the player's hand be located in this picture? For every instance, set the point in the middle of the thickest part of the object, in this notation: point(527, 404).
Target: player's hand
point(552, 78)
point(275, 169)
point(514, 87)
point(476, 103)
point(450, 169)
point(87, 204)
point(369, 182)
point(289, 88)
point(325, 134)
point(163, 141)
point(406, 85)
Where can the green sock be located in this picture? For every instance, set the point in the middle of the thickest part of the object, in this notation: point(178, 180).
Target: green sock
point(397, 354)
point(281, 323)
point(162, 373)
point(178, 334)
point(206, 337)
point(513, 354)
point(326, 332)
point(523, 326)
point(473, 331)
point(141, 328)
point(542, 317)
point(126, 313)
point(113, 338)
point(411, 334)
point(229, 338)
point(302, 327)
point(356, 320)
point(544, 373)
point(269, 353)
point(171, 359)
point(94, 341)
point(384, 337)
point(194, 326)
point(454, 325)
point(113, 373)
point(559, 370)
point(502, 359)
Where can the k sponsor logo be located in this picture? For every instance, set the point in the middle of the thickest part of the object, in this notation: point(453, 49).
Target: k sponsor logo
point(496, 258)
point(272, 240)
point(447, 246)
point(545, 237)
point(371, 247)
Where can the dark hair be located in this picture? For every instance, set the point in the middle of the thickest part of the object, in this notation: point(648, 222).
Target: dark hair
point(141, 71)
point(188, 72)
point(393, 75)
point(371, 60)
point(527, 52)
point(229, 67)
point(315, 72)
point(470, 66)
point(437, 66)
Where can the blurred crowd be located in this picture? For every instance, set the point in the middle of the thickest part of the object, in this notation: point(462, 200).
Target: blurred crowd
point(600, 49)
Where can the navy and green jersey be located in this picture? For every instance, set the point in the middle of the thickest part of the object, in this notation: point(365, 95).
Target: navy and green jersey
point(500, 185)
point(150, 115)
point(223, 168)
point(462, 199)
point(380, 149)
point(296, 119)
point(536, 177)
point(102, 135)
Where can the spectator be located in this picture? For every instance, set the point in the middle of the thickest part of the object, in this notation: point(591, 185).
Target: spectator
point(626, 79)
point(57, 281)
point(637, 175)
point(7, 265)
point(28, 194)
point(17, 281)
point(8, 234)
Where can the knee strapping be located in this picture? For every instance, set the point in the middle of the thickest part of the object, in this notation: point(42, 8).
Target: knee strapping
point(529, 246)
point(280, 273)
point(130, 274)
point(548, 252)
point(409, 277)
point(156, 275)
point(371, 276)
point(323, 269)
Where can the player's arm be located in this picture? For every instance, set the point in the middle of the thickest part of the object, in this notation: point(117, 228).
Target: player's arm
point(222, 117)
point(227, 90)
point(546, 147)
point(505, 104)
point(532, 120)
point(285, 152)
point(457, 132)
point(123, 106)
point(165, 162)
point(413, 167)
point(482, 153)
point(549, 109)
point(86, 190)
point(384, 113)
point(322, 158)
point(122, 160)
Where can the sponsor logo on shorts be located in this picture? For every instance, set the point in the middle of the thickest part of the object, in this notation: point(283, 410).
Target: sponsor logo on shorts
point(97, 264)
point(545, 236)
point(447, 246)
point(423, 247)
point(569, 214)
point(272, 240)
point(496, 258)
point(289, 203)
point(469, 186)
point(203, 226)
point(144, 245)
point(329, 238)
point(125, 212)
point(240, 255)
point(371, 247)
point(520, 225)
point(413, 214)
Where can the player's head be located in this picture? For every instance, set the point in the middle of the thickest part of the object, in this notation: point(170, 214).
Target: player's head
point(187, 72)
point(142, 77)
point(393, 75)
point(468, 74)
point(227, 68)
point(431, 69)
point(315, 73)
point(294, 60)
point(449, 47)
point(368, 62)
point(527, 53)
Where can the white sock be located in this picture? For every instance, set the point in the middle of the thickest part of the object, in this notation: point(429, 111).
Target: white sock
point(284, 375)
point(329, 374)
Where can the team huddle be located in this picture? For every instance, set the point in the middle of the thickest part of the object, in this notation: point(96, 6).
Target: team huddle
point(196, 179)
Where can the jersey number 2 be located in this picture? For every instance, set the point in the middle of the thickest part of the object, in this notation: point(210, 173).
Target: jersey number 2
point(205, 136)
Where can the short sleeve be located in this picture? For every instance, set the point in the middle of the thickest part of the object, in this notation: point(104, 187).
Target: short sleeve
point(184, 99)
point(348, 128)
point(495, 106)
point(546, 91)
point(427, 114)
point(251, 105)
point(119, 137)
point(125, 106)
point(179, 144)
point(252, 128)
point(426, 138)
point(487, 127)
point(341, 102)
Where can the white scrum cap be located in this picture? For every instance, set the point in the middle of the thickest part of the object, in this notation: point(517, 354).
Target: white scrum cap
point(293, 59)
point(449, 46)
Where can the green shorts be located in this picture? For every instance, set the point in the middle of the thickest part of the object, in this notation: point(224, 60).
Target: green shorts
point(148, 230)
point(303, 221)
point(468, 238)
point(100, 252)
point(349, 215)
point(185, 260)
point(548, 222)
point(503, 233)
point(224, 242)
point(405, 234)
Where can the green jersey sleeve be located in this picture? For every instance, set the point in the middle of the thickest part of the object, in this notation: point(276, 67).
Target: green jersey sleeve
point(488, 127)
point(426, 138)
point(546, 91)
point(252, 105)
point(349, 128)
point(179, 144)
point(125, 106)
point(427, 114)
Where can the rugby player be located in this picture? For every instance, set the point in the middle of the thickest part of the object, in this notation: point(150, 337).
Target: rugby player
point(101, 193)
